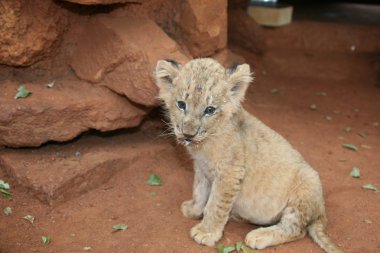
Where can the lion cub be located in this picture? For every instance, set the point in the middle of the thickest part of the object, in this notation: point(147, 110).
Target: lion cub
point(243, 169)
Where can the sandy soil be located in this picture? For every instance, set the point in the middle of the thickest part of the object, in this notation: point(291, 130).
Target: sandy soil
point(349, 98)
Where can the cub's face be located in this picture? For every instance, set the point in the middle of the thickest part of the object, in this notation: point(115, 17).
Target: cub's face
point(200, 96)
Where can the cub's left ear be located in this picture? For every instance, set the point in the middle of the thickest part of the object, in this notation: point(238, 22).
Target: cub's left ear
point(239, 79)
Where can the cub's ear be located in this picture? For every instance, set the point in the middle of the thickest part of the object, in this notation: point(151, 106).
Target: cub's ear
point(239, 79)
point(166, 71)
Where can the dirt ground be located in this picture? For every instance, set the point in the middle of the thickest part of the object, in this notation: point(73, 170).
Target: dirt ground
point(344, 86)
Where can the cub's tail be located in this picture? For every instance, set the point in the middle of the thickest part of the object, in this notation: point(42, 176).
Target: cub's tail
point(317, 232)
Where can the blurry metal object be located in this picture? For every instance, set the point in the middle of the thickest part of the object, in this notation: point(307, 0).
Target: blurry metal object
point(270, 13)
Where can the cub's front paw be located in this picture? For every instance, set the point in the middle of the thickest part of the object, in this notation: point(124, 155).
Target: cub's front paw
point(202, 236)
point(189, 210)
point(259, 238)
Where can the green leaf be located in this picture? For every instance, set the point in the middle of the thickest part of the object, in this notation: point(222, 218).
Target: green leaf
point(350, 147)
point(220, 248)
point(355, 172)
point(6, 193)
point(87, 248)
point(347, 129)
point(370, 187)
point(7, 210)
point(45, 240)
point(154, 180)
point(119, 227)
point(4, 185)
point(228, 249)
point(51, 85)
point(313, 107)
point(153, 194)
point(22, 92)
point(274, 91)
point(29, 218)
point(247, 249)
point(238, 246)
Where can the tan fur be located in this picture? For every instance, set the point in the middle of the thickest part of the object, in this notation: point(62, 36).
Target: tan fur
point(243, 169)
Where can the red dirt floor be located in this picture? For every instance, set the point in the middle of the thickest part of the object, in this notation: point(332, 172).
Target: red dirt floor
point(352, 99)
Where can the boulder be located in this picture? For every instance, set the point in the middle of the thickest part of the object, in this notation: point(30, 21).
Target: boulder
point(56, 173)
point(29, 31)
point(203, 26)
point(61, 113)
point(121, 53)
point(245, 32)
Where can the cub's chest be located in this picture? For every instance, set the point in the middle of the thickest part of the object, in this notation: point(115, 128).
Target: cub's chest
point(206, 165)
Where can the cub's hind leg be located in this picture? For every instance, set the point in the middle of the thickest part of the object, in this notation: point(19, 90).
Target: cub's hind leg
point(292, 226)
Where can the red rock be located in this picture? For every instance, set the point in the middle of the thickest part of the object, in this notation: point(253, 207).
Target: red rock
point(135, 43)
point(244, 31)
point(56, 173)
point(29, 31)
point(228, 58)
point(99, 50)
point(61, 113)
point(203, 26)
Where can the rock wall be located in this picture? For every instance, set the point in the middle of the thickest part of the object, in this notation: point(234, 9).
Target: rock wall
point(101, 56)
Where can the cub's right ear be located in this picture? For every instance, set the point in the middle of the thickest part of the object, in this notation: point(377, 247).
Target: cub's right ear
point(166, 71)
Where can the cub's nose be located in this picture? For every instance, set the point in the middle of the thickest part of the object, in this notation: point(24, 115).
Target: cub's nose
point(188, 137)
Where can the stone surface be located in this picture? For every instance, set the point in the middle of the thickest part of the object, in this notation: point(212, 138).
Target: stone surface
point(243, 30)
point(99, 50)
point(203, 26)
point(56, 173)
point(91, 2)
point(61, 113)
point(124, 60)
point(29, 31)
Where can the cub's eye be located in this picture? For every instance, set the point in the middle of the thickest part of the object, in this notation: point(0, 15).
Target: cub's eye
point(181, 105)
point(210, 110)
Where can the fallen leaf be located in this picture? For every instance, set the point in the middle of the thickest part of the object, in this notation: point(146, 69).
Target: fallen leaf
point(347, 129)
point(365, 146)
point(370, 187)
point(22, 92)
point(29, 218)
point(362, 134)
point(119, 227)
point(5, 193)
point(368, 221)
point(274, 91)
point(7, 210)
point(342, 159)
point(45, 240)
point(329, 118)
point(220, 248)
point(4, 185)
point(247, 249)
point(355, 172)
point(228, 249)
point(153, 194)
point(264, 72)
point(313, 107)
point(51, 85)
point(154, 180)
point(239, 245)
point(87, 248)
point(350, 147)
point(336, 112)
